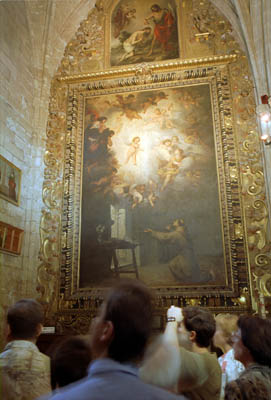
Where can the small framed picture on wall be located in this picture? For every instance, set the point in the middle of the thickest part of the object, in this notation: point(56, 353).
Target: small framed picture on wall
point(10, 239)
point(10, 181)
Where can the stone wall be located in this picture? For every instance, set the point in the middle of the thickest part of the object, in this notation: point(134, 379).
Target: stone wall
point(33, 37)
point(19, 145)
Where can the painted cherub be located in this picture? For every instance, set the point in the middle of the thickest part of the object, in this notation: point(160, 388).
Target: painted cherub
point(163, 117)
point(172, 168)
point(133, 150)
point(152, 188)
point(136, 193)
point(122, 18)
point(127, 105)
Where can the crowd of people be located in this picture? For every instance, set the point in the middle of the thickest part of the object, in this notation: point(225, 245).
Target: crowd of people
point(120, 359)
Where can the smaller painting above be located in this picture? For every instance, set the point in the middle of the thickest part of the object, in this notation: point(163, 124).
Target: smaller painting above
point(144, 31)
point(10, 181)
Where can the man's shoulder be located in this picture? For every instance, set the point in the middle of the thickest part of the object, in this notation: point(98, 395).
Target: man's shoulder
point(101, 388)
point(211, 363)
point(211, 358)
point(205, 356)
point(159, 393)
point(23, 355)
point(207, 363)
point(42, 359)
point(248, 385)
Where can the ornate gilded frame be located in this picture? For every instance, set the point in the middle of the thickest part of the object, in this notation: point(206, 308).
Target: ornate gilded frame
point(72, 304)
point(224, 138)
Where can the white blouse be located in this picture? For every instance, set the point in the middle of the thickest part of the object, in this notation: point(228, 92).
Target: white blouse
point(231, 369)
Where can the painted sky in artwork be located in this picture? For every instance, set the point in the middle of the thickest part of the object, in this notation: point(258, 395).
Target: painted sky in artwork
point(153, 139)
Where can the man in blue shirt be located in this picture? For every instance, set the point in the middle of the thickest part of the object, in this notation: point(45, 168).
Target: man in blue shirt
point(118, 338)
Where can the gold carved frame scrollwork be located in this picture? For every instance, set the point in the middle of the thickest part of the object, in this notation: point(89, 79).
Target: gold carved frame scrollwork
point(241, 186)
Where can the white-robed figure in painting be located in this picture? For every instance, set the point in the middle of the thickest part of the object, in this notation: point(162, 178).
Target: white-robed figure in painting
point(133, 150)
point(183, 263)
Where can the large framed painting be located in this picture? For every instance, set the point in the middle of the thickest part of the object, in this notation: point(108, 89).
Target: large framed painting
point(151, 189)
point(150, 182)
point(10, 181)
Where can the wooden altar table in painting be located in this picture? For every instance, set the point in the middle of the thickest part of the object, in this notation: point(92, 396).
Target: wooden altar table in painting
point(111, 246)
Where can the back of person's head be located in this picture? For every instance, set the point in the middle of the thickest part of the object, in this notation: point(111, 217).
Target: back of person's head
point(129, 307)
point(256, 336)
point(227, 323)
point(24, 319)
point(69, 361)
point(202, 322)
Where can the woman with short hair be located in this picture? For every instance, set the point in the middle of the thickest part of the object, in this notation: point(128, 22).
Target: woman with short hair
point(252, 347)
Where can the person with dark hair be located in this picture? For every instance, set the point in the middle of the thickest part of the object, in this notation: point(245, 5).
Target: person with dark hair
point(252, 347)
point(184, 350)
point(25, 371)
point(118, 339)
point(69, 361)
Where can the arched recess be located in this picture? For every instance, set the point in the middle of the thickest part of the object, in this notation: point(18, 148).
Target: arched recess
point(209, 47)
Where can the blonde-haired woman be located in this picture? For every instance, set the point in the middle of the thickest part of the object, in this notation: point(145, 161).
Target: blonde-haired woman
point(226, 325)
